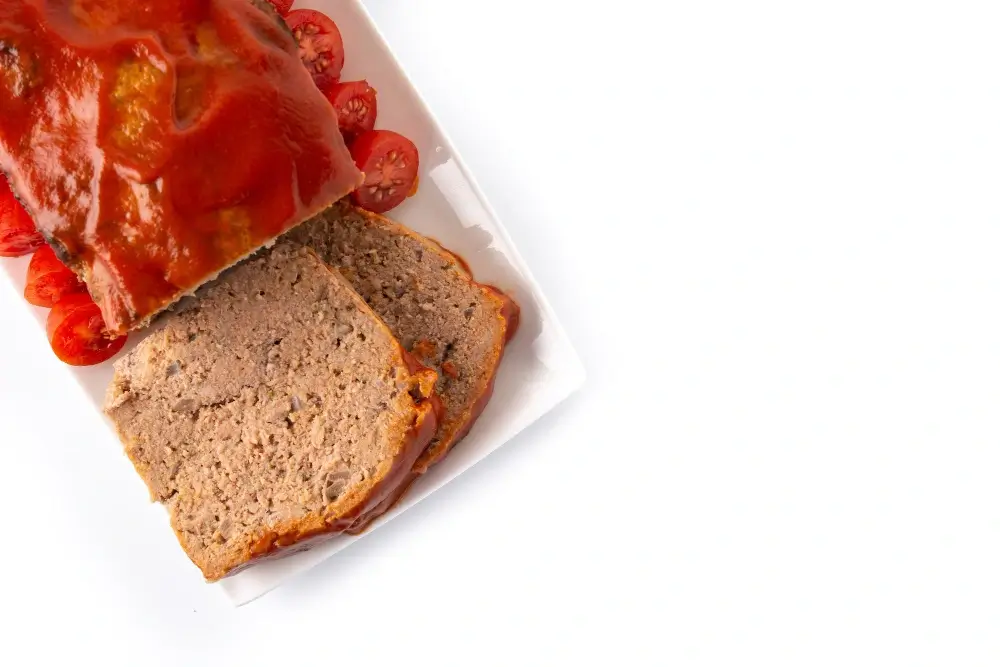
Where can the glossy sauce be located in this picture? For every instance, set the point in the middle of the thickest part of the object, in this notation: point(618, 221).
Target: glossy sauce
point(156, 143)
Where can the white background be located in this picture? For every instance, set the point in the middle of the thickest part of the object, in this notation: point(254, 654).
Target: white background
point(771, 229)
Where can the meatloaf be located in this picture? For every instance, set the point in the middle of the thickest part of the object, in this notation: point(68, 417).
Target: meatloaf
point(271, 411)
point(157, 143)
point(428, 298)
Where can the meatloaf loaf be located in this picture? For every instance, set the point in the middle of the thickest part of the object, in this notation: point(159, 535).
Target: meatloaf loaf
point(275, 409)
point(157, 143)
point(429, 300)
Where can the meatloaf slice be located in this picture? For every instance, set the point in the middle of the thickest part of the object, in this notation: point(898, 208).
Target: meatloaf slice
point(274, 409)
point(429, 300)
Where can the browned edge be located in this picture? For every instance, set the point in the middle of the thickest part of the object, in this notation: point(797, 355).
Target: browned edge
point(511, 314)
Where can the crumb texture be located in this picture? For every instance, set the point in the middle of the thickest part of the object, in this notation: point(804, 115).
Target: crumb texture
point(427, 299)
point(274, 398)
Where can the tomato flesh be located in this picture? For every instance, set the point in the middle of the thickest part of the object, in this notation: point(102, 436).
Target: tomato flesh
point(281, 6)
point(18, 235)
point(320, 45)
point(77, 332)
point(356, 106)
point(390, 162)
point(49, 280)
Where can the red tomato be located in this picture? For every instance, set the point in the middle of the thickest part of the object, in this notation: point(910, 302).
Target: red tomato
point(281, 6)
point(18, 235)
point(356, 106)
point(390, 162)
point(320, 45)
point(77, 332)
point(49, 279)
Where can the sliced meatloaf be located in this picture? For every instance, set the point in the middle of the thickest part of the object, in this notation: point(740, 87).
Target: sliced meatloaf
point(429, 300)
point(275, 409)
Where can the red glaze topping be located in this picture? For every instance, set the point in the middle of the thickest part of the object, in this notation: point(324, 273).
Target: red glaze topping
point(156, 143)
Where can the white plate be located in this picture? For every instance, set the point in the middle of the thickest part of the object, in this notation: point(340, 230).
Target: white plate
point(540, 367)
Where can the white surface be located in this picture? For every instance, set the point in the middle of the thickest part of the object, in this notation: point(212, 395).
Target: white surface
point(539, 370)
point(794, 464)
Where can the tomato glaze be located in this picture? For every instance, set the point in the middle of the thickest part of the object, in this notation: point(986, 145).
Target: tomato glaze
point(156, 143)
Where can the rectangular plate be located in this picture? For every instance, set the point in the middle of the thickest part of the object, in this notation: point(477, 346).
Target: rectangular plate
point(540, 367)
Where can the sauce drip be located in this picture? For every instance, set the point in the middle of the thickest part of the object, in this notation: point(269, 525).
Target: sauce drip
point(156, 143)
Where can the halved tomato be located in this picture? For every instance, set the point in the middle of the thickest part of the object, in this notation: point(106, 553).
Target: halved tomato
point(356, 106)
point(18, 235)
point(77, 332)
point(390, 162)
point(320, 45)
point(49, 280)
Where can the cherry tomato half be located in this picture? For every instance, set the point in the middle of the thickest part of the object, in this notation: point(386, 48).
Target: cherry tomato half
point(49, 280)
point(281, 6)
point(389, 162)
point(77, 332)
point(356, 106)
point(320, 45)
point(18, 235)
